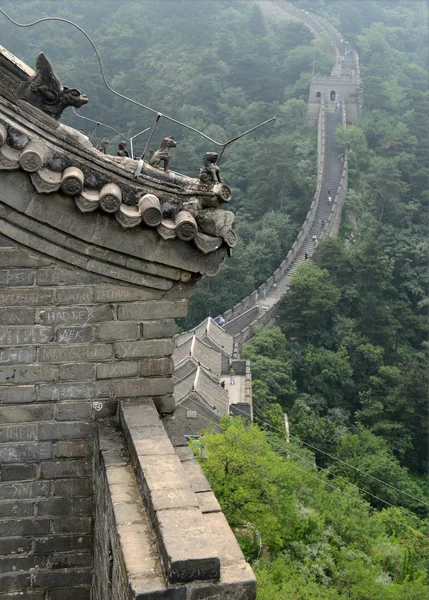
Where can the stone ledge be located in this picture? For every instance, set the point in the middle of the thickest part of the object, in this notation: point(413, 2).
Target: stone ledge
point(187, 549)
point(136, 553)
point(237, 582)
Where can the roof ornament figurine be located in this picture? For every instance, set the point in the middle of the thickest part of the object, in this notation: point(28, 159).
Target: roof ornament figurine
point(103, 145)
point(210, 172)
point(163, 153)
point(122, 150)
point(44, 91)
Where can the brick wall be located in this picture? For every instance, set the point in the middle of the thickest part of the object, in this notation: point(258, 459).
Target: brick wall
point(71, 345)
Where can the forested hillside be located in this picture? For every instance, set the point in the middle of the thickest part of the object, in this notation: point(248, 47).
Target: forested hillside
point(348, 360)
point(218, 66)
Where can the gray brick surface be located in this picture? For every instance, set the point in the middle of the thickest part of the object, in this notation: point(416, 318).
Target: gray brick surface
point(18, 472)
point(66, 468)
point(144, 348)
point(73, 411)
point(64, 431)
point(21, 394)
point(144, 311)
point(26, 414)
point(77, 371)
point(158, 329)
point(114, 330)
point(117, 369)
point(65, 507)
point(145, 386)
point(72, 450)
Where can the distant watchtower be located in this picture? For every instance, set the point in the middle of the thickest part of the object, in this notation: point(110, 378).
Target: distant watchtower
point(344, 84)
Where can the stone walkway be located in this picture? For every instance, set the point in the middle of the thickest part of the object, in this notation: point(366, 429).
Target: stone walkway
point(331, 180)
point(237, 391)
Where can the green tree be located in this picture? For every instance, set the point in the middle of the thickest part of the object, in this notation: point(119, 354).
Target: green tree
point(309, 304)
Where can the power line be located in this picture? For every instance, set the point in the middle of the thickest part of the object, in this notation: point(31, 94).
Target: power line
point(330, 485)
point(348, 495)
point(343, 462)
point(405, 513)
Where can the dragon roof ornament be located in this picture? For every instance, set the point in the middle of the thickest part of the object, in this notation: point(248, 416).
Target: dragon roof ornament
point(59, 159)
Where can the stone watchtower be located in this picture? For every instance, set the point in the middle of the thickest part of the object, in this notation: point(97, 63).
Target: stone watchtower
point(95, 263)
point(344, 85)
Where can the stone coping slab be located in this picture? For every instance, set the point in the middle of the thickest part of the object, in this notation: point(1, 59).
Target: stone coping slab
point(186, 546)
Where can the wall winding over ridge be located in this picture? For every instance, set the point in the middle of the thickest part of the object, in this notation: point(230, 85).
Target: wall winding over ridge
point(245, 315)
point(252, 300)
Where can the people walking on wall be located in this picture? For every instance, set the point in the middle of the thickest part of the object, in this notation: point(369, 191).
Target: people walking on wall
point(314, 238)
point(275, 283)
point(323, 223)
point(231, 376)
point(306, 256)
point(330, 200)
point(265, 292)
point(221, 320)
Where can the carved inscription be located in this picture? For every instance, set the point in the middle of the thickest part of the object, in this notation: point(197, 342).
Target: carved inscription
point(74, 296)
point(18, 490)
point(79, 316)
point(18, 433)
point(31, 297)
point(17, 355)
point(16, 316)
point(75, 353)
point(16, 336)
point(28, 374)
point(26, 452)
point(74, 335)
point(15, 277)
point(186, 573)
point(72, 391)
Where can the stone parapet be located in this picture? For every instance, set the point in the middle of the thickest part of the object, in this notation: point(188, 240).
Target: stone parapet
point(187, 551)
point(159, 537)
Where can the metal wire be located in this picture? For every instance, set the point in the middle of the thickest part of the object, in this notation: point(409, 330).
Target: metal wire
point(124, 137)
point(345, 463)
point(63, 20)
point(100, 123)
point(329, 484)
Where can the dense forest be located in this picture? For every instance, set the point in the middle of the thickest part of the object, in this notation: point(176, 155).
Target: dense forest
point(340, 509)
point(348, 358)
